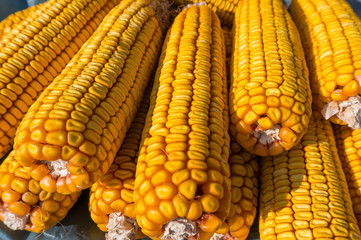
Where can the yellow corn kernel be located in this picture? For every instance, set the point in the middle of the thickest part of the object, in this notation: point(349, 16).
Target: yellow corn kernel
point(304, 191)
point(268, 86)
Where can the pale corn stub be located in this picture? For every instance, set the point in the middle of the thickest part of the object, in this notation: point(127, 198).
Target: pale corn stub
point(270, 98)
point(331, 35)
point(348, 145)
point(111, 201)
point(79, 122)
point(36, 51)
point(244, 192)
point(24, 205)
point(224, 8)
point(182, 185)
point(304, 192)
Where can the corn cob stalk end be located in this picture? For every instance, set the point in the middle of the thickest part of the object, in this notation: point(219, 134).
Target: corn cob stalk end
point(121, 227)
point(348, 111)
point(180, 228)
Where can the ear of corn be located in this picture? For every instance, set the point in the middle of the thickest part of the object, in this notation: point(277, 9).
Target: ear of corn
point(304, 193)
point(331, 35)
point(348, 145)
point(32, 58)
point(224, 8)
point(24, 204)
point(111, 201)
point(182, 173)
point(79, 122)
point(270, 98)
point(244, 191)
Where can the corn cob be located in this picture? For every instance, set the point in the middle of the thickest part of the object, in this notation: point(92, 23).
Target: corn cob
point(227, 32)
point(270, 98)
point(182, 175)
point(111, 201)
point(78, 124)
point(23, 204)
point(224, 8)
point(331, 34)
point(348, 146)
point(31, 59)
point(244, 181)
point(304, 193)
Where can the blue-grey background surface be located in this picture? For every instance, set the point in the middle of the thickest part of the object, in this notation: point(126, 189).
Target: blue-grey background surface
point(78, 224)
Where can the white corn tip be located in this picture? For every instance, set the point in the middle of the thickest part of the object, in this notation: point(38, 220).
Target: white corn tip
point(267, 137)
point(121, 227)
point(349, 111)
point(218, 236)
point(15, 222)
point(57, 168)
point(179, 229)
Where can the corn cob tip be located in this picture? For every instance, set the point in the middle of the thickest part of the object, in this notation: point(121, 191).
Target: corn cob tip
point(162, 12)
point(121, 227)
point(196, 4)
point(347, 111)
point(218, 236)
point(267, 137)
point(15, 222)
point(180, 228)
point(57, 168)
